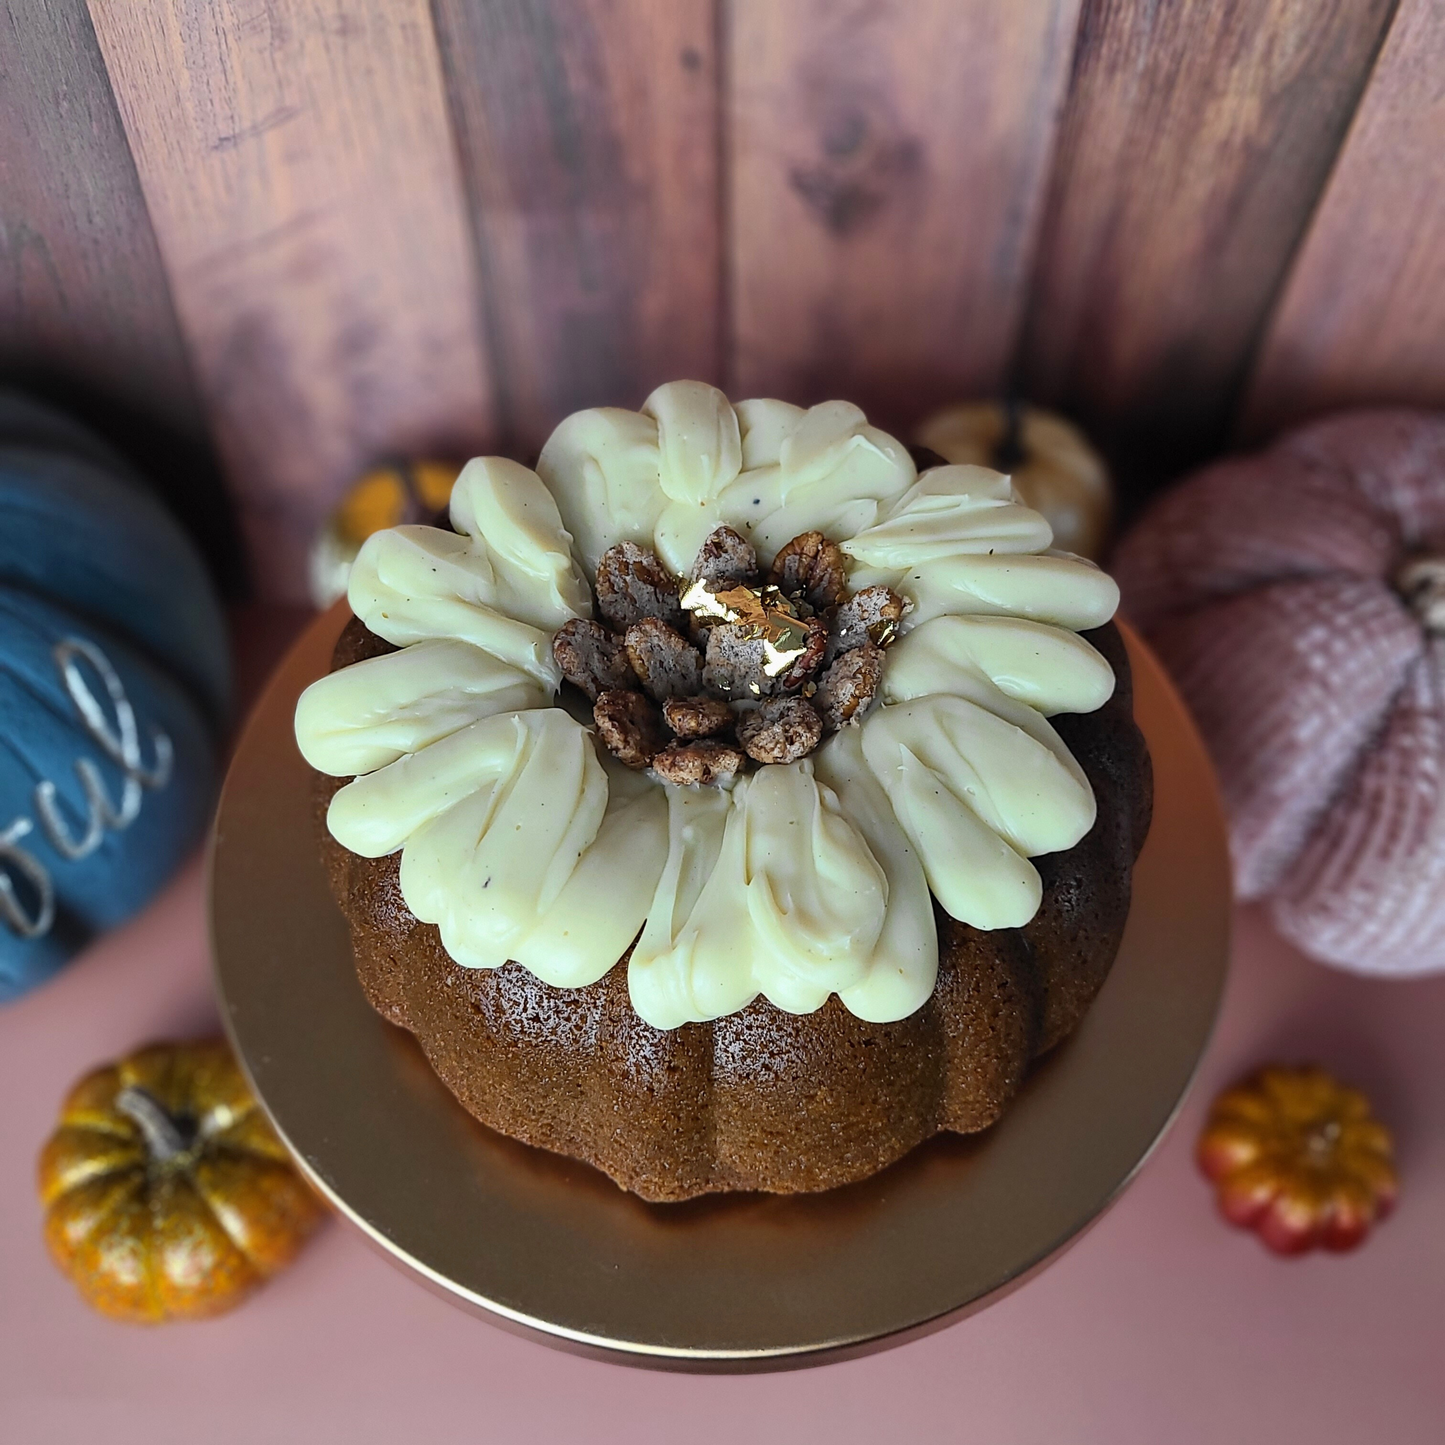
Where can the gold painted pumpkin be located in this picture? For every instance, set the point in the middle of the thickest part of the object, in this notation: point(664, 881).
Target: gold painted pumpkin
point(167, 1193)
point(1298, 1158)
point(1051, 464)
point(386, 496)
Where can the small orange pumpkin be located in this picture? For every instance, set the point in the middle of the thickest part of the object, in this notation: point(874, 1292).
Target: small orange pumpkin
point(1298, 1157)
point(167, 1193)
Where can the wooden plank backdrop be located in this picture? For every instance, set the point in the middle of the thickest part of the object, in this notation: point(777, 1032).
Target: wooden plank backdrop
point(1194, 144)
point(299, 169)
point(85, 310)
point(1363, 316)
point(326, 231)
point(588, 132)
point(887, 166)
point(82, 288)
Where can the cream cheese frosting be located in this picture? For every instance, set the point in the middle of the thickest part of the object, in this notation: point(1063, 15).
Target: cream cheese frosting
point(768, 889)
point(521, 840)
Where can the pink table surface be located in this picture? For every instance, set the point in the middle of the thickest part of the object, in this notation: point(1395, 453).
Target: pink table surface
point(1160, 1325)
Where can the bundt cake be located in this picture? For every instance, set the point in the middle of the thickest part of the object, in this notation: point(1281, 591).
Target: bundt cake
point(727, 803)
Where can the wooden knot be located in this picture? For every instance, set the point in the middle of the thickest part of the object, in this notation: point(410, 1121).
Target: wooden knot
point(863, 159)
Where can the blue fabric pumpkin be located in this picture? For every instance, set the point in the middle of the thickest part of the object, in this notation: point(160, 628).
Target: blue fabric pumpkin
point(114, 685)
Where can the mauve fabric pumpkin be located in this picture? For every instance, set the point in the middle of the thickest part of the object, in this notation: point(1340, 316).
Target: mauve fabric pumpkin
point(114, 684)
point(1296, 597)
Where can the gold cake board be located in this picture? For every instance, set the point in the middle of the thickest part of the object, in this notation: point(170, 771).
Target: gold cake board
point(553, 1249)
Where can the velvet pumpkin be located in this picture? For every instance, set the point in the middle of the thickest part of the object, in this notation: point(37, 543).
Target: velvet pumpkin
point(1298, 598)
point(114, 684)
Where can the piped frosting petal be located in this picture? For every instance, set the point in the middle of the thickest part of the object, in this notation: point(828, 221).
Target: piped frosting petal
point(769, 889)
point(504, 581)
point(604, 467)
point(903, 966)
point(1047, 668)
point(949, 512)
point(374, 712)
point(978, 795)
point(1050, 587)
point(488, 868)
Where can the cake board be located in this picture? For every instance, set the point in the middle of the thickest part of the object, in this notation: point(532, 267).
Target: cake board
point(551, 1248)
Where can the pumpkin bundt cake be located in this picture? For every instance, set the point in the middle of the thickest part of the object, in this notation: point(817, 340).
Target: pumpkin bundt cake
point(727, 803)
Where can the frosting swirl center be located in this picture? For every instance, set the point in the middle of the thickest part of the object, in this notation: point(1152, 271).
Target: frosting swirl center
point(751, 563)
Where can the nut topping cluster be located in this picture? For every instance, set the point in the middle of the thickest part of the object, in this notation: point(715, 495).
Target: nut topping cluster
point(694, 678)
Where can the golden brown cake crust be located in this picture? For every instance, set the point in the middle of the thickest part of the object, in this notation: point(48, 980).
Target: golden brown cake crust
point(762, 1099)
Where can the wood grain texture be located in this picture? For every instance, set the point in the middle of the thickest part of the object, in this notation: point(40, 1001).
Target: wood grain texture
point(82, 288)
point(887, 170)
point(1195, 142)
point(1362, 318)
point(86, 319)
point(588, 136)
point(299, 169)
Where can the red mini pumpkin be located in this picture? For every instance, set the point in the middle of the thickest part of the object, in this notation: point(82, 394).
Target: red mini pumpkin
point(1298, 599)
point(1297, 1157)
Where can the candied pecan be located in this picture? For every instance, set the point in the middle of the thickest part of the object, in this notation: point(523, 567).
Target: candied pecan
point(812, 565)
point(735, 659)
point(725, 559)
point(632, 584)
point(699, 764)
point(871, 615)
point(847, 687)
point(591, 657)
point(811, 659)
point(630, 726)
point(782, 730)
point(696, 717)
point(666, 662)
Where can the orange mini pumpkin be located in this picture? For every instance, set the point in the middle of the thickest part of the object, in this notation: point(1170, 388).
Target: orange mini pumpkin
point(1298, 1158)
point(167, 1193)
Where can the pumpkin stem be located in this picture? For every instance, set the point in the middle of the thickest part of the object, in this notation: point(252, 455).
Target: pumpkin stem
point(1420, 580)
point(163, 1136)
point(1010, 449)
